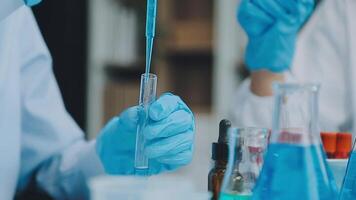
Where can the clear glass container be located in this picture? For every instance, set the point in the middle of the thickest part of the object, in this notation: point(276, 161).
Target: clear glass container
point(348, 189)
point(295, 164)
point(246, 151)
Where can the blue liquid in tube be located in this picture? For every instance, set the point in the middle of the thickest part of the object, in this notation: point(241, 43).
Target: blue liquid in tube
point(150, 31)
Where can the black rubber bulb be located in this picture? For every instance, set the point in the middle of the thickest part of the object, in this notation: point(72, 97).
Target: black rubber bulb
point(223, 129)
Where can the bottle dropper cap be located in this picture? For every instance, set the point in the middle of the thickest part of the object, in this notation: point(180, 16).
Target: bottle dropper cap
point(343, 145)
point(220, 149)
point(223, 129)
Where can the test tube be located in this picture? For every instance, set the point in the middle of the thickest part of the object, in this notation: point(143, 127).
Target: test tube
point(147, 97)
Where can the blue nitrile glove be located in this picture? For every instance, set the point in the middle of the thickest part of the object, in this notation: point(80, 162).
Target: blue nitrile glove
point(170, 134)
point(272, 27)
point(32, 2)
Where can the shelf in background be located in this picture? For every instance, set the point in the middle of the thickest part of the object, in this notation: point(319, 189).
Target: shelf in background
point(115, 71)
point(186, 51)
point(191, 36)
point(121, 88)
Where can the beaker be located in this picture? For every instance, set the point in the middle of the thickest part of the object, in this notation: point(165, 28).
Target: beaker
point(147, 97)
point(246, 152)
point(295, 164)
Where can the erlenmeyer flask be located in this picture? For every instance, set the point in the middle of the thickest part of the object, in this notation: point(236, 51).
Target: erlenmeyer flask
point(295, 166)
point(348, 189)
point(246, 152)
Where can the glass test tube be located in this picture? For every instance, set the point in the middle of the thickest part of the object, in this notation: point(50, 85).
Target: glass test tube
point(147, 97)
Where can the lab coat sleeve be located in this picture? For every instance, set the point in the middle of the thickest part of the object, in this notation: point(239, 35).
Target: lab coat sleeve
point(250, 110)
point(54, 153)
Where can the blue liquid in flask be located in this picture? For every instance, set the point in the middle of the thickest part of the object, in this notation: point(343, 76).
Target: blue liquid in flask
point(224, 196)
point(295, 172)
point(348, 191)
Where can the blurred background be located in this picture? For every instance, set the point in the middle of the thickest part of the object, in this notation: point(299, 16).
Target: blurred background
point(98, 48)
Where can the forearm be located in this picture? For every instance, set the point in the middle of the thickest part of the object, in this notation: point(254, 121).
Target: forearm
point(262, 81)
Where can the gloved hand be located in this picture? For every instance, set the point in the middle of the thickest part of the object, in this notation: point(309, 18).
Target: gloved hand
point(272, 27)
point(170, 134)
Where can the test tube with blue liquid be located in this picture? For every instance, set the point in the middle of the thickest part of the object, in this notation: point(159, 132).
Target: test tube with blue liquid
point(147, 97)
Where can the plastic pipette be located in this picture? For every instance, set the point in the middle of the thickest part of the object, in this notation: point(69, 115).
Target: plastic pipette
point(150, 31)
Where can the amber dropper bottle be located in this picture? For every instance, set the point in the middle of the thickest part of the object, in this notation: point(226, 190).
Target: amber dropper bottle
point(220, 152)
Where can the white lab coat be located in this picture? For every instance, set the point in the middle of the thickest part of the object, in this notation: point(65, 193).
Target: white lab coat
point(326, 53)
point(39, 141)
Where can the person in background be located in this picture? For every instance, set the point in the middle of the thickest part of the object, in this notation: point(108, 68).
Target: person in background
point(299, 41)
point(41, 146)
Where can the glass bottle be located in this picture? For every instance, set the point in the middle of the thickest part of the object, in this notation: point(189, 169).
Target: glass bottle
point(216, 176)
point(246, 152)
point(220, 152)
point(295, 164)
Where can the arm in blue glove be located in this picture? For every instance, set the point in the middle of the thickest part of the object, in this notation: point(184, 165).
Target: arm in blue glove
point(272, 27)
point(170, 135)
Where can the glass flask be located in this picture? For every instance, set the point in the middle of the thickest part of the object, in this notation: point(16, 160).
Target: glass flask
point(295, 164)
point(246, 153)
point(348, 189)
